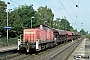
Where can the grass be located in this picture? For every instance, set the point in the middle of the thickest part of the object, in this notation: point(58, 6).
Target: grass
point(33, 55)
point(10, 56)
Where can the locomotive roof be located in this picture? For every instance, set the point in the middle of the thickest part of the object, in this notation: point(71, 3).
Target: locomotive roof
point(43, 26)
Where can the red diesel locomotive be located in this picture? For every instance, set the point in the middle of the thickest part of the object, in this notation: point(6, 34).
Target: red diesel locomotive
point(42, 37)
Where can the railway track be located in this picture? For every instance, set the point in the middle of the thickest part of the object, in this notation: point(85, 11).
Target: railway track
point(64, 54)
point(53, 53)
point(56, 54)
point(19, 57)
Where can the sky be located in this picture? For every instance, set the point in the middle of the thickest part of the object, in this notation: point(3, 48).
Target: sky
point(79, 17)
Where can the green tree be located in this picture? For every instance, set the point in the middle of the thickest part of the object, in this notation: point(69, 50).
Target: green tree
point(45, 16)
point(65, 24)
point(72, 30)
point(2, 17)
point(62, 24)
point(57, 23)
point(83, 32)
point(20, 18)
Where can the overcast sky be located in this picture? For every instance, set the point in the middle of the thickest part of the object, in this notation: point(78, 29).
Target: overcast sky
point(78, 17)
